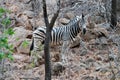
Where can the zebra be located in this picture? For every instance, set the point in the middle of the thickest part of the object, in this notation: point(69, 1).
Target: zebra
point(59, 34)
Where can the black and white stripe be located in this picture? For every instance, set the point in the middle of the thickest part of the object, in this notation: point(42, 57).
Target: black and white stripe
point(60, 34)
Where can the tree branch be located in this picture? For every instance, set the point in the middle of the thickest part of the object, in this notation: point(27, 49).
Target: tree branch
point(45, 13)
point(113, 13)
point(55, 15)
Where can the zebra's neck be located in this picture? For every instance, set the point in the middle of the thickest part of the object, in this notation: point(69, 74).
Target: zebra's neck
point(74, 21)
point(72, 29)
point(74, 24)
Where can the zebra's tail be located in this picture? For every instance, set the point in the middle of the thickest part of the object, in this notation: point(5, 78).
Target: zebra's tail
point(32, 46)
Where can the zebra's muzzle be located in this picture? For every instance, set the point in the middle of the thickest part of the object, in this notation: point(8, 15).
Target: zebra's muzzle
point(84, 30)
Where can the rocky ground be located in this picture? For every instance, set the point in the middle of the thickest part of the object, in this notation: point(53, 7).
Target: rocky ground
point(97, 62)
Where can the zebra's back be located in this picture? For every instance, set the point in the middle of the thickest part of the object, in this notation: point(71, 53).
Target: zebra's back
point(58, 34)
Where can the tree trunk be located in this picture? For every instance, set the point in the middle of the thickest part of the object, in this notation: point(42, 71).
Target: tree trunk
point(113, 13)
point(46, 45)
point(47, 56)
point(47, 40)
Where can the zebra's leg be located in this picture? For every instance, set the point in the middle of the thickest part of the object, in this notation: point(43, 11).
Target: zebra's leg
point(83, 44)
point(63, 51)
point(83, 49)
point(36, 53)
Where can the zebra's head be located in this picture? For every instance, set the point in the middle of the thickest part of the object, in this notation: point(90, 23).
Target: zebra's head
point(83, 24)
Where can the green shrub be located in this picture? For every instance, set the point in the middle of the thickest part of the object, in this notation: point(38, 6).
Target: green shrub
point(6, 49)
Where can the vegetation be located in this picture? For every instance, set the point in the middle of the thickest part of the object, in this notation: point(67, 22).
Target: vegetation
point(6, 49)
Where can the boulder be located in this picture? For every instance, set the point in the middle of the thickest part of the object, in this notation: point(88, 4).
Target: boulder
point(23, 20)
point(20, 34)
point(21, 57)
point(76, 42)
point(24, 47)
point(97, 19)
point(101, 32)
point(104, 25)
point(30, 14)
point(57, 68)
point(94, 19)
point(16, 7)
point(69, 15)
point(40, 23)
point(90, 34)
point(94, 33)
point(64, 21)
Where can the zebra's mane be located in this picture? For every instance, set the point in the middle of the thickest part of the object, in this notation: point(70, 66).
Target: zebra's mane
point(74, 21)
point(71, 22)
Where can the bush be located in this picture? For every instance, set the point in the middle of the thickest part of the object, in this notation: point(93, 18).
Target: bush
point(6, 49)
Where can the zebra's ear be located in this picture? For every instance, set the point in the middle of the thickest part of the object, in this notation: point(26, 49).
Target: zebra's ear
point(83, 24)
point(83, 19)
point(82, 16)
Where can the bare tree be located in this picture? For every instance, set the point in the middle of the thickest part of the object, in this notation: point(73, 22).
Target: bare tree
point(113, 13)
point(47, 40)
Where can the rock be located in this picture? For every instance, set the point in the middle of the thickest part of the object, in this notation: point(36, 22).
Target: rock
point(40, 23)
point(22, 20)
point(98, 19)
point(76, 42)
point(21, 57)
point(104, 70)
point(35, 23)
point(69, 15)
point(57, 68)
point(55, 56)
point(24, 47)
point(82, 65)
point(91, 25)
point(83, 51)
point(20, 34)
point(92, 20)
point(94, 33)
point(30, 14)
point(87, 78)
point(14, 8)
point(37, 58)
point(64, 21)
point(89, 35)
point(104, 25)
point(101, 32)
point(17, 7)
point(89, 60)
